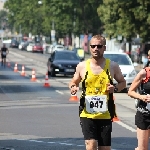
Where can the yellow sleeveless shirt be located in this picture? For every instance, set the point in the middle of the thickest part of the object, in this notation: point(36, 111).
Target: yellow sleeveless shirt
point(95, 84)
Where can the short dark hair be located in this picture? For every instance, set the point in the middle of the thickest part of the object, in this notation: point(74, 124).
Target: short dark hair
point(99, 37)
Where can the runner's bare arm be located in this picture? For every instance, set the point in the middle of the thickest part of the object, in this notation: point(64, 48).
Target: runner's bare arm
point(135, 84)
point(77, 77)
point(118, 76)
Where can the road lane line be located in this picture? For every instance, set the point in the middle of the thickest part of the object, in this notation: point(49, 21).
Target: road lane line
point(60, 143)
point(126, 126)
point(18, 55)
point(59, 92)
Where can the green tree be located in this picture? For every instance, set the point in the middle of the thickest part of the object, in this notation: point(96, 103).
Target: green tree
point(127, 18)
point(3, 18)
point(142, 19)
point(68, 16)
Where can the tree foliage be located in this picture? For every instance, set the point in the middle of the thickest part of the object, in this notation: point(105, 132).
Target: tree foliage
point(3, 18)
point(112, 17)
point(125, 17)
point(68, 16)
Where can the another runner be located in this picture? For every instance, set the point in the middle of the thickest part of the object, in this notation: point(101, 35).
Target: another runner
point(142, 117)
point(4, 51)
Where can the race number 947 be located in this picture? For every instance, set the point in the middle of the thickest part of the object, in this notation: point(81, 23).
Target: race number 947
point(97, 104)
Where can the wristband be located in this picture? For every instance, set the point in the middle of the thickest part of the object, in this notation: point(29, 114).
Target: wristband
point(115, 89)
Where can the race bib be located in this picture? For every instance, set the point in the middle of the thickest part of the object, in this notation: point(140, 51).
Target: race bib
point(4, 53)
point(148, 106)
point(96, 103)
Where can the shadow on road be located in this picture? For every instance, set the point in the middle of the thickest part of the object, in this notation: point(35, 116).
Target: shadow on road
point(119, 143)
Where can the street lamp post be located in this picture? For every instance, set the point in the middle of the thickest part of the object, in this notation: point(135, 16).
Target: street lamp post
point(53, 26)
point(38, 31)
point(73, 34)
point(53, 33)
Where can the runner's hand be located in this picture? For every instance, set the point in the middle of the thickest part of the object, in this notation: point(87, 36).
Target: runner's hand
point(74, 89)
point(110, 88)
point(145, 98)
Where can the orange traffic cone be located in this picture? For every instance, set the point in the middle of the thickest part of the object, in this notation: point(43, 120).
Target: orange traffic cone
point(33, 75)
point(8, 64)
point(115, 119)
point(115, 115)
point(16, 68)
point(23, 72)
point(46, 84)
point(73, 98)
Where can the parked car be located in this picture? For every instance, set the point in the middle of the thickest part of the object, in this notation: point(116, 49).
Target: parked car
point(125, 64)
point(80, 52)
point(37, 48)
point(25, 45)
point(21, 45)
point(14, 44)
point(62, 62)
point(30, 47)
point(58, 48)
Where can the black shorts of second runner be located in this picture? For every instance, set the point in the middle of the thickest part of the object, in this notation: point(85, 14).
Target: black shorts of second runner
point(142, 120)
point(3, 56)
point(98, 129)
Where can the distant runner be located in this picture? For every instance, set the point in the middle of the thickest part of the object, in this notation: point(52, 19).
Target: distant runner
point(4, 51)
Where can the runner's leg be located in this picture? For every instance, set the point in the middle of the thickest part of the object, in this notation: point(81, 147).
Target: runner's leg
point(104, 135)
point(89, 130)
point(4, 62)
point(104, 148)
point(143, 138)
point(91, 144)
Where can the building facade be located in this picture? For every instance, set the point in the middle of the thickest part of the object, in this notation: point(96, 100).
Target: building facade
point(2, 4)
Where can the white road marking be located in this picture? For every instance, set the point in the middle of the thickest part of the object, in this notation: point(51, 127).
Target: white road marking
point(59, 92)
point(60, 143)
point(126, 126)
point(38, 81)
point(18, 55)
point(64, 79)
point(44, 97)
point(32, 138)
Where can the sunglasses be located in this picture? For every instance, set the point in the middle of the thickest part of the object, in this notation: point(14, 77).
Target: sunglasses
point(98, 46)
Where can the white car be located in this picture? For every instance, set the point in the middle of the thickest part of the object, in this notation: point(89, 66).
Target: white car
point(30, 47)
point(53, 48)
point(125, 64)
point(21, 45)
point(58, 48)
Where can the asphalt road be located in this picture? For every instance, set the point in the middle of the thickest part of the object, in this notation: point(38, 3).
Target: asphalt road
point(34, 117)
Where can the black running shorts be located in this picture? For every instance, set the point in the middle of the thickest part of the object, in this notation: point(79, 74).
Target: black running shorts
point(98, 129)
point(142, 120)
point(3, 56)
